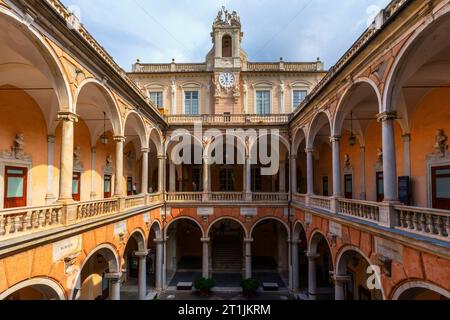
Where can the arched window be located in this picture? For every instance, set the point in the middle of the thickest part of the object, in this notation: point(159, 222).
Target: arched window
point(227, 47)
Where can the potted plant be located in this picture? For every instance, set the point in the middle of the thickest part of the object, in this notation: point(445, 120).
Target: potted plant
point(204, 285)
point(249, 287)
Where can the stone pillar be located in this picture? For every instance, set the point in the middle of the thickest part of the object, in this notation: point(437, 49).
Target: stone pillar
point(310, 170)
point(118, 189)
point(93, 156)
point(248, 179)
point(293, 174)
point(282, 107)
point(205, 257)
point(161, 173)
point(174, 98)
point(66, 171)
point(295, 265)
point(406, 154)
point(282, 179)
point(172, 177)
point(339, 284)
point(389, 159)
point(206, 180)
point(114, 285)
point(336, 166)
point(144, 182)
point(248, 258)
point(142, 281)
point(159, 263)
point(312, 278)
point(50, 197)
point(362, 152)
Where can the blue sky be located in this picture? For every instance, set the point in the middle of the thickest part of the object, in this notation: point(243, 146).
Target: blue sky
point(158, 30)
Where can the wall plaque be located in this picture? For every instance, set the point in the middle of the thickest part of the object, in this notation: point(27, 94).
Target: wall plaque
point(389, 249)
point(66, 247)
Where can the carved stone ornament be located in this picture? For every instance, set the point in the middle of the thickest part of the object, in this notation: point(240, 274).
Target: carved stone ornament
point(379, 163)
point(17, 151)
point(70, 263)
point(108, 168)
point(77, 164)
point(347, 163)
point(225, 18)
point(441, 146)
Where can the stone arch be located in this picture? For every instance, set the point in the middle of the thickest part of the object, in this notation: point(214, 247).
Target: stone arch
point(299, 135)
point(139, 127)
point(156, 227)
point(299, 226)
point(316, 125)
point(109, 252)
point(156, 137)
point(276, 219)
point(314, 240)
point(208, 231)
point(46, 286)
point(140, 238)
point(184, 218)
point(112, 109)
point(418, 284)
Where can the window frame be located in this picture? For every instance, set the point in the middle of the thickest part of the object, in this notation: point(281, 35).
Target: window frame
point(153, 91)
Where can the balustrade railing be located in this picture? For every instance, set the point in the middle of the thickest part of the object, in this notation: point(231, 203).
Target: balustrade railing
point(299, 198)
point(96, 208)
point(320, 202)
point(229, 118)
point(134, 201)
point(226, 196)
point(360, 209)
point(22, 221)
point(428, 222)
point(184, 197)
point(270, 197)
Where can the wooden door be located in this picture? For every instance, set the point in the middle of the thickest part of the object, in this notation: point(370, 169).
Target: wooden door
point(76, 186)
point(15, 187)
point(107, 186)
point(380, 186)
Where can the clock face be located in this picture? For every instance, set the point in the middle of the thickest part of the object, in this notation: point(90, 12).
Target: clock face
point(226, 80)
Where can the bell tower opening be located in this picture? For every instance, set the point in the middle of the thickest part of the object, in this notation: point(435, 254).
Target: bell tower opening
point(227, 47)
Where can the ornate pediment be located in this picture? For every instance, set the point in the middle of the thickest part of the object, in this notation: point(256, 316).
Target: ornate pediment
point(227, 19)
point(17, 151)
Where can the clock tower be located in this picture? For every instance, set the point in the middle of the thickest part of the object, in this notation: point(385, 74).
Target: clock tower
point(225, 60)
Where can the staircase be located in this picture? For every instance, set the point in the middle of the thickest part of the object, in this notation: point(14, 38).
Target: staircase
point(227, 254)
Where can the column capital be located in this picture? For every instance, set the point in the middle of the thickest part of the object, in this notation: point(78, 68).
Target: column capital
point(406, 137)
point(113, 275)
point(67, 116)
point(158, 240)
point(51, 138)
point(341, 278)
point(162, 157)
point(248, 240)
point(141, 253)
point(386, 116)
point(362, 148)
point(205, 240)
point(295, 242)
point(312, 256)
point(293, 156)
point(335, 139)
point(119, 138)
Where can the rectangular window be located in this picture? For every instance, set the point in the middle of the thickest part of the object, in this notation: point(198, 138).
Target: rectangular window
point(76, 186)
point(263, 102)
point(297, 97)
point(129, 186)
point(227, 179)
point(157, 98)
point(107, 187)
point(325, 190)
point(441, 187)
point(348, 186)
point(191, 102)
point(15, 187)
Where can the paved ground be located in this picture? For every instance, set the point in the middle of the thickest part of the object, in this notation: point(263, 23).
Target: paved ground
point(223, 296)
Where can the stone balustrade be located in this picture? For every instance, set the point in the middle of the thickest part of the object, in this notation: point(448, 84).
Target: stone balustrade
point(135, 201)
point(272, 119)
point(319, 202)
point(360, 209)
point(299, 198)
point(96, 208)
point(226, 196)
point(270, 197)
point(23, 221)
point(184, 197)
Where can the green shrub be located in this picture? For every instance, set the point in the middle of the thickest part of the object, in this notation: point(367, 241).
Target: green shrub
point(204, 284)
point(249, 286)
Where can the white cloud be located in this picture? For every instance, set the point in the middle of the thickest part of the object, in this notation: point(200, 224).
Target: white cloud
point(157, 31)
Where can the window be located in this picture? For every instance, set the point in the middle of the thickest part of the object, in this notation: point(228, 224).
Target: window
point(227, 179)
point(380, 186)
point(197, 178)
point(191, 102)
point(263, 102)
point(129, 186)
point(157, 98)
point(76, 186)
point(107, 186)
point(15, 187)
point(348, 178)
point(325, 190)
point(227, 47)
point(297, 97)
point(441, 187)
point(256, 179)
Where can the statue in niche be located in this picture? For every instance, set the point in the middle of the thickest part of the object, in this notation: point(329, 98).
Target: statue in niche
point(441, 146)
point(347, 161)
point(218, 89)
point(237, 91)
point(19, 146)
point(380, 155)
point(77, 158)
point(109, 160)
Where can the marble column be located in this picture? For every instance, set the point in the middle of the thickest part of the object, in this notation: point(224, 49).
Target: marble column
point(389, 159)
point(159, 263)
point(406, 154)
point(205, 257)
point(142, 280)
point(339, 285)
point(295, 265)
point(248, 258)
point(362, 152)
point(114, 285)
point(50, 197)
point(248, 179)
point(293, 174)
point(312, 278)
point(144, 178)
point(172, 177)
point(66, 170)
point(335, 141)
point(206, 179)
point(282, 179)
point(118, 189)
point(310, 170)
point(93, 157)
point(161, 174)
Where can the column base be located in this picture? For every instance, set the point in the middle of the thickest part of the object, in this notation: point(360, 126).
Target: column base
point(93, 195)
point(50, 198)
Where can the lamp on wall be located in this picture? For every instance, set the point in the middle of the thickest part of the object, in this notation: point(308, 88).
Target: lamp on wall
point(352, 138)
point(103, 137)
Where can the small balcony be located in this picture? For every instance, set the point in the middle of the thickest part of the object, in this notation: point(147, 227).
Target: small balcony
point(227, 119)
